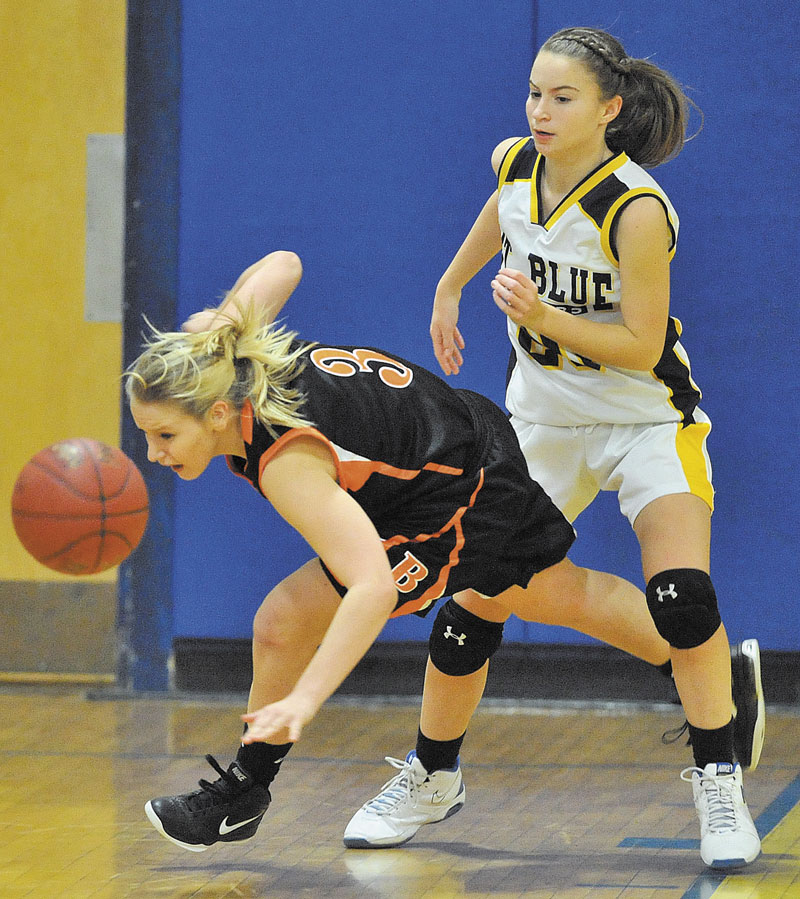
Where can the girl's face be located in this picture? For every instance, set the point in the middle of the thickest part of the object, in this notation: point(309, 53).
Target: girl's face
point(176, 439)
point(566, 113)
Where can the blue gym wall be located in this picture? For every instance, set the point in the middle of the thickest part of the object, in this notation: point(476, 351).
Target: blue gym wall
point(359, 136)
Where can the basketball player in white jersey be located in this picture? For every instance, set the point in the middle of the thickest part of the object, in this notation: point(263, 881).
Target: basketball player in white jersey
point(601, 398)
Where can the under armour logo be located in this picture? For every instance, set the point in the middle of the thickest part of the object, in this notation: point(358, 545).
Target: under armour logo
point(449, 633)
point(662, 593)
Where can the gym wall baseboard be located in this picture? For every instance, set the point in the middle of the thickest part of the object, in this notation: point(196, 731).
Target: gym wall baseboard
point(58, 628)
point(544, 671)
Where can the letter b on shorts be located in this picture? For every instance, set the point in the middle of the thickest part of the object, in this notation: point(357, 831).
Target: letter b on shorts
point(408, 573)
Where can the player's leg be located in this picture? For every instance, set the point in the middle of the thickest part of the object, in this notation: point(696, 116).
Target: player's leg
point(428, 787)
point(674, 534)
point(666, 547)
point(648, 464)
point(466, 632)
point(642, 463)
point(287, 629)
point(557, 459)
point(595, 603)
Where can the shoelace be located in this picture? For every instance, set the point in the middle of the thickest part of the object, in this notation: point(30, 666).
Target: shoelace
point(210, 793)
point(401, 787)
point(718, 792)
point(675, 733)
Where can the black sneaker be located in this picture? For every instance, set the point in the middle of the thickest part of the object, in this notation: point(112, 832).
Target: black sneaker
point(748, 700)
point(748, 706)
point(227, 810)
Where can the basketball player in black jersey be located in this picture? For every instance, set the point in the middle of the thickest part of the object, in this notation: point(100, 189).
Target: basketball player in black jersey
point(406, 489)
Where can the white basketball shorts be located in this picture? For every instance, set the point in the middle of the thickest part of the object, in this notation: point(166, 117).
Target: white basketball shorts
point(641, 462)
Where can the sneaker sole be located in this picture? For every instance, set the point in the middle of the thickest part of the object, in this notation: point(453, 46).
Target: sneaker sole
point(156, 822)
point(749, 733)
point(724, 864)
point(363, 843)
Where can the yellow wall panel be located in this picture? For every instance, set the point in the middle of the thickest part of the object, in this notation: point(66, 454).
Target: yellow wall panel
point(63, 79)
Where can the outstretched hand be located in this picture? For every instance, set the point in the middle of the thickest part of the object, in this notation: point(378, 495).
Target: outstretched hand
point(447, 339)
point(290, 714)
point(517, 296)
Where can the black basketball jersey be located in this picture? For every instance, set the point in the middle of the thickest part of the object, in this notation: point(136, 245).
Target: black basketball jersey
point(437, 470)
point(397, 432)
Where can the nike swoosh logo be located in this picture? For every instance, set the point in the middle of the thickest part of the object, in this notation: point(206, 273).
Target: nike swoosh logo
point(437, 797)
point(224, 827)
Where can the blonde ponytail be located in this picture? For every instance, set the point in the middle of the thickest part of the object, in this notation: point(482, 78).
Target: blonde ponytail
point(236, 361)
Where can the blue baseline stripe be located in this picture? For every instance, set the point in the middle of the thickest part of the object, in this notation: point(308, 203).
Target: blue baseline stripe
point(706, 884)
point(657, 843)
point(625, 886)
point(779, 808)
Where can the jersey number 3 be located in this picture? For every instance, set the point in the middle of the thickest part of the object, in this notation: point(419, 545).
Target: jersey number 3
point(346, 363)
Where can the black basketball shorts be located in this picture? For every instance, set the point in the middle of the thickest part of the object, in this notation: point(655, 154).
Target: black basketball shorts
point(501, 527)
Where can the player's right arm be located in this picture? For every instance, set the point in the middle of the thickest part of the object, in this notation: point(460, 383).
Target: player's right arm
point(265, 285)
point(301, 483)
point(481, 244)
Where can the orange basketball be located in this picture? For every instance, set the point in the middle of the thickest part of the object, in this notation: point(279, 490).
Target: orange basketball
point(80, 506)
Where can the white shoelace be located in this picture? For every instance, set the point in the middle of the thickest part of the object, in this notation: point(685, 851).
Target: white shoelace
point(401, 787)
point(718, 793)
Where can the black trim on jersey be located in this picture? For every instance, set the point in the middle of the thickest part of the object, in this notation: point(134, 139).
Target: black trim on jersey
point(600, 199)
point(522, 165)
point(512, 364)
point(612, 234)
point(675, 375)
point(575, 195)
point(569, 198)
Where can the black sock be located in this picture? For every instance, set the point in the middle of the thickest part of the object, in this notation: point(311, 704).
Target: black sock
point(666, 668)
point(437, 755)
point(712, 745)
point(262, 760)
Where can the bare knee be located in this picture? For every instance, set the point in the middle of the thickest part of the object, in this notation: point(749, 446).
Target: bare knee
point(482, 606)
point(296, 612)
point(276, 621)
point(558, 596)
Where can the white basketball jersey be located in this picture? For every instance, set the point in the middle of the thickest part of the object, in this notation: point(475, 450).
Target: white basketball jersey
point(571, 257)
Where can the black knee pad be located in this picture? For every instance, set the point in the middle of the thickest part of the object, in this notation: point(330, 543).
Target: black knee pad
point(683, 604)
point(460, 642)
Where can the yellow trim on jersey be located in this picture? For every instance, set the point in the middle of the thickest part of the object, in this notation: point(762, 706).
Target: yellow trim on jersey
point(608, 221)
point(581, 190)
point(690, 444)
point(534, 210)
point(511, 155)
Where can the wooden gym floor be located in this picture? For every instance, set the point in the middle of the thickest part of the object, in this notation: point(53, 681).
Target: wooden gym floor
point(561, 802)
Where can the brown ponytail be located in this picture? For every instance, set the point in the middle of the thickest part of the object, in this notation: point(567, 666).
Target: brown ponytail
point(651, 126)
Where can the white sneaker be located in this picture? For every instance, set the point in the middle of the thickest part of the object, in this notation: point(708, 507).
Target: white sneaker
point(406, 802)
point(728, 837)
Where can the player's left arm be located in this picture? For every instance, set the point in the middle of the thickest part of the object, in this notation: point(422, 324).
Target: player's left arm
point(301, 484)
point(265, 286)
point(643, 245)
